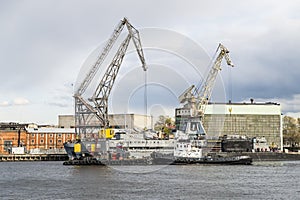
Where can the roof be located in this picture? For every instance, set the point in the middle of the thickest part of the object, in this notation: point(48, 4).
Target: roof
point(50, 130)
point(241, 108)
point(244, 103)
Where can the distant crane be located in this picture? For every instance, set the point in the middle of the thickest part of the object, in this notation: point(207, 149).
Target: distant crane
point(197, 99)
point(85, 113)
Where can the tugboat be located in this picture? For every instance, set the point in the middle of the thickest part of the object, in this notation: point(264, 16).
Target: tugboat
point(76, 150)
point(190, 148)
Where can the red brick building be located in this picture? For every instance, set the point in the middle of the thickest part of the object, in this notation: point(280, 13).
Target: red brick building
point(9, 138)
point(48, 138)
point(32, 137)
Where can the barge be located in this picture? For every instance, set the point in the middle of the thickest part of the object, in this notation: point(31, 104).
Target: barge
point(159, 159)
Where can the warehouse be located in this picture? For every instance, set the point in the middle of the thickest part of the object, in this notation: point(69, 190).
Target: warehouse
point(33, 138)
point(128, 121)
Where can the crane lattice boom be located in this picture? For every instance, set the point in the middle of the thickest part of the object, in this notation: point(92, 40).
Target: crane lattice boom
point(205, 92)
point(197, 99)
point(84, 112)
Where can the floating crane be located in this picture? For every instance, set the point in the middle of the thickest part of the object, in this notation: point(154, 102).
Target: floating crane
point(197, 99)
point(91, 115)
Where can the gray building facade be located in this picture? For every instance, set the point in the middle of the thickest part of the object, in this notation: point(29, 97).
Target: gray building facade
point(129, 121)
point(247, 119)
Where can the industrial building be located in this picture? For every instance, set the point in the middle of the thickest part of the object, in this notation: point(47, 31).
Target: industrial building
point(66, 121)
point(48, 139)
point(33, 138)
point(131, 121)
point(245, 119)
point(11, 135)
point(128, 121)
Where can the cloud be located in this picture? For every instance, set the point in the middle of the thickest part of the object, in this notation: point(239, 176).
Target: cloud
point(61, 96)
point(44, 44)
point(15, 102)
point(58, 104)
point(4, 103)
point(289, 106)
point(20, 101)
point(293, 114)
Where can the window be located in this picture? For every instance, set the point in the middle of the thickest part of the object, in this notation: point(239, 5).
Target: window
point(51, 141)
point(32, 141)
point(32, 135)
point(59, 135)
point(193, 126)
point(42, 134)
point(68, 135)
point(42, 141)
point(7, 145)
point(59, 141)
point(51, 135)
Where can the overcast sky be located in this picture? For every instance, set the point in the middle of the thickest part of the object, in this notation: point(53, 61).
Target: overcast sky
point(43, 45)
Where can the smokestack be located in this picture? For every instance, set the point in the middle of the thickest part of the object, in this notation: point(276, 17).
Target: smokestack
point(19, 137)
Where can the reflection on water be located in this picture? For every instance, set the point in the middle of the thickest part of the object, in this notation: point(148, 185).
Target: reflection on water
point(52, 180)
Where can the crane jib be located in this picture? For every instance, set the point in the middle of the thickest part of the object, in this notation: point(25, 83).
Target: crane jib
point(84, 111)
point(197, 99)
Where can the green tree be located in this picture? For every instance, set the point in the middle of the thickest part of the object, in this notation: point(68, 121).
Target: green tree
point(291, 131)
point(164, 124)
point(160, 123)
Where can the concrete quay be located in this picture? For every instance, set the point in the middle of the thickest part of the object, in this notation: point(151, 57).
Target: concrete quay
point(33, 157)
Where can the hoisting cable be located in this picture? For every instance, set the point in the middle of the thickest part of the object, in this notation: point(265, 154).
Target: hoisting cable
point(145, 100)
point(230, 85)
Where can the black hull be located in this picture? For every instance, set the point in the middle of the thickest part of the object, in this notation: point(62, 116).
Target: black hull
point(135, 162)
point(235, 160)
point(164, 161)
point(69, 147)
point(232, 145)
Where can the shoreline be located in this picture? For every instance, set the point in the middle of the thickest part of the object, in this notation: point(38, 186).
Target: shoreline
point(256, 156)
point(32, 157)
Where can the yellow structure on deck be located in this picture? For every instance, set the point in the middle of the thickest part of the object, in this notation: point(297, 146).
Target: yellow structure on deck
point(93, 148)
point(77, 148)
point(106, 133)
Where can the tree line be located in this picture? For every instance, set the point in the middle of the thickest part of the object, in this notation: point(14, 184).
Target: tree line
point(291, 131)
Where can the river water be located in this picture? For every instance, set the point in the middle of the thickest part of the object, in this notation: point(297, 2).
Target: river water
point(53, 180)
